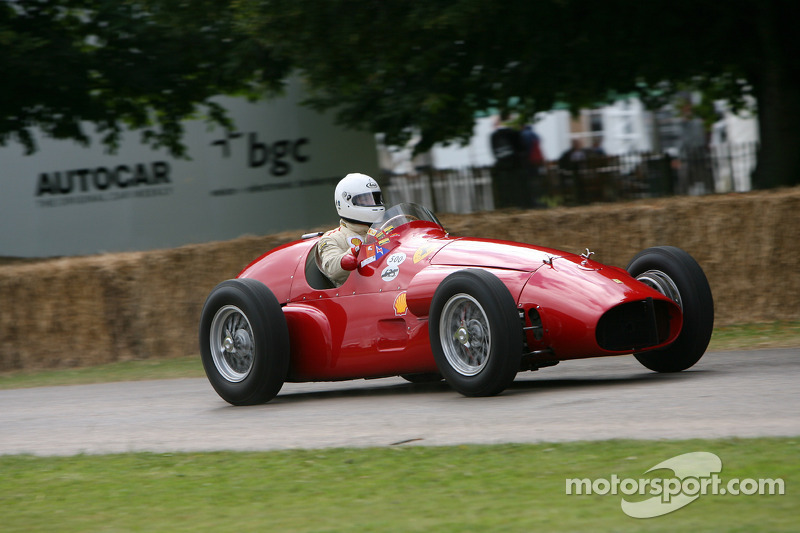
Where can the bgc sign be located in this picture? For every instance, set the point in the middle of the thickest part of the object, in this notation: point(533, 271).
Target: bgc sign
point(277, 157)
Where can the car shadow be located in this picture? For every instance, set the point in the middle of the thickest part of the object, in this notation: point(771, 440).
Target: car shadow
point(537, 384)
point(519, 386)
point(376, 390)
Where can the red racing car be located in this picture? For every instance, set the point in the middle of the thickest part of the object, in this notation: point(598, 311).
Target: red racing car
point(426, 306)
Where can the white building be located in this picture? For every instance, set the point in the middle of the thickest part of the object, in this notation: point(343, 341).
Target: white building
point(621, 128)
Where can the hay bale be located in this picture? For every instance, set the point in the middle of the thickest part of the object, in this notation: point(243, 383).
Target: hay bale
point(89, 310)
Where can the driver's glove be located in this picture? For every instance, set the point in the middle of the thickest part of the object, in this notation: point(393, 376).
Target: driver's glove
point(349, 260)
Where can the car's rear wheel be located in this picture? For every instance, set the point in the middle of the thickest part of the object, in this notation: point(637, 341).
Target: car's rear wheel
point(244, 342)
point(675, 274)
point(475, 333)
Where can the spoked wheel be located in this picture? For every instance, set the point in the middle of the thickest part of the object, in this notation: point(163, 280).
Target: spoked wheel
point(675, 274)
point(476, 333)
point(244, 342)
point(465, 335)
point(231, 343)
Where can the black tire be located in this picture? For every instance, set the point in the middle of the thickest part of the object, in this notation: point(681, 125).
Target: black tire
point(676, 274)
point(478, 352)
point(244, 342)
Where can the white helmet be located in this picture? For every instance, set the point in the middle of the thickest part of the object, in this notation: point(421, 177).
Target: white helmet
point(358, 198)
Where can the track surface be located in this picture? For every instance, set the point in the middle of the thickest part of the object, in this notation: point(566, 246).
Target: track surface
point(726, 394)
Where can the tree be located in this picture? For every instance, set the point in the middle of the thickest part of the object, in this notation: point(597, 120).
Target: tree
point(144, 65)
point(388, 65)
point(392, 65)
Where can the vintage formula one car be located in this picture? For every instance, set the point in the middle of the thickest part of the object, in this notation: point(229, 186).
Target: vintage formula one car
point(426, 306)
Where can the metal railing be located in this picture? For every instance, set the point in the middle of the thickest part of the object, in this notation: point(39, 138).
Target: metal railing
point(464, 190)
point(592, 179)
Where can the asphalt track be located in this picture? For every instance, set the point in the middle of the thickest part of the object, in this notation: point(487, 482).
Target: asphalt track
point(743, 394)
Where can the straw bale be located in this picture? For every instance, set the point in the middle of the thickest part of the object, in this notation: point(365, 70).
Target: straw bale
point(88, 310)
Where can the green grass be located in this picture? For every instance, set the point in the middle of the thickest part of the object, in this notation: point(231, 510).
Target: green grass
point(500, 488)
point(181, 367)
point(751, 336)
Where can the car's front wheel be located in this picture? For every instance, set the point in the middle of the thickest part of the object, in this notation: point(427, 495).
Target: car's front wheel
point(475, 333)
point(675, 274)
point(244, 342)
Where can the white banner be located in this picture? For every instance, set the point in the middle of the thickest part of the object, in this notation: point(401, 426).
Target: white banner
point(276, 171)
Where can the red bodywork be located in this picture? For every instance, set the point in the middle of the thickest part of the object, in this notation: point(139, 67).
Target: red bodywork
point(376, 323)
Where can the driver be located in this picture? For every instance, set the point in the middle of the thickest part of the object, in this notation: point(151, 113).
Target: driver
point(359, 203)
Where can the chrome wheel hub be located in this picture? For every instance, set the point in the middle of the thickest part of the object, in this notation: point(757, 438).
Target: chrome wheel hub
point(662, 283)
point(465, 335)
point(462, 336)
point(232, 346)
point(228, 345)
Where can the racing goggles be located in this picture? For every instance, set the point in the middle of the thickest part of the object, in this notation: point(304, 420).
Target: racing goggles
point(368, 199)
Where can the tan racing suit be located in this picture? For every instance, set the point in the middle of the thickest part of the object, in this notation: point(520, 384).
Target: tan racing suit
point(336, 243)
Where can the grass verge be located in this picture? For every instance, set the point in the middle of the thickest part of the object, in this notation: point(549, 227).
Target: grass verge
point(179, 367)
point(754, 336)
point(750, 336)
point(463, 488)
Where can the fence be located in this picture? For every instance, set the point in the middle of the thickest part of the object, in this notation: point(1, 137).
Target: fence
point(590, 178)
point(464, 190)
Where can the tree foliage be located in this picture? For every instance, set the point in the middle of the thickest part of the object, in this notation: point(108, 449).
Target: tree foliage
point(144, 65)
point(391, 65)
point(386, 65)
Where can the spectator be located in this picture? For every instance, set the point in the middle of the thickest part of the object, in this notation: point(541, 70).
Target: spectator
point(533, 163)
point(570, 165)
point(508, 178)
point(597, 147)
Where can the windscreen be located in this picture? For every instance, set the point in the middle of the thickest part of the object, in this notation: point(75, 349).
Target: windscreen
point(400, 214)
